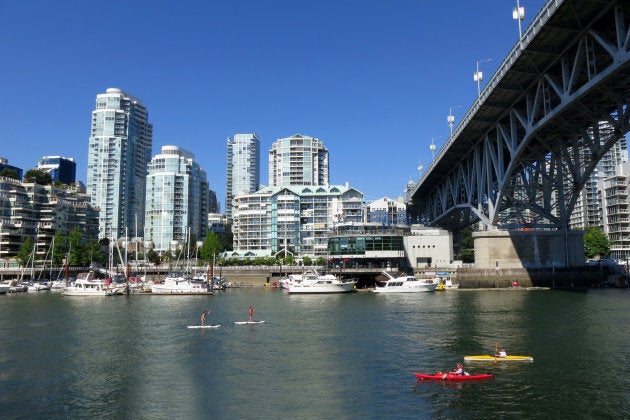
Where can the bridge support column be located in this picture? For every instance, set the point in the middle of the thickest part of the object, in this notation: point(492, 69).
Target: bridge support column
point(528, 249)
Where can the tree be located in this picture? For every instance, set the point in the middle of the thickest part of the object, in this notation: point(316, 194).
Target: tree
point(93, 253)
point(595, 243)
point(9, 173)
point(38, 176)
point(77, 250)
point(60, 249)
point(26, 249)
point(211, 246)
point(153, 257)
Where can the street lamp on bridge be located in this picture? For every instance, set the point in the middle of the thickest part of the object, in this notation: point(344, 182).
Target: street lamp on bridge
point(478, 76)
point(433, 147)
point(519, 14)
point(451, 118)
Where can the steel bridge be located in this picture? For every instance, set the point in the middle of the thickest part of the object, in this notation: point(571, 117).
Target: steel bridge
point(525, 149)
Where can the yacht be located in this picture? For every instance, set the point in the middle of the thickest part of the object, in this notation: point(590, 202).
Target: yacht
point(178, 282)
point(404, 284)
point(320, 283)
point(86, 287)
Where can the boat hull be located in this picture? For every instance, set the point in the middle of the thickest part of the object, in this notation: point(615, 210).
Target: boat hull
point(401, 289)
point(447, 376)
point(318, 288)
point(489, 358)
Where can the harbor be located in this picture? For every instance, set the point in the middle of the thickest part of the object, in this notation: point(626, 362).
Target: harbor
point(316, 356)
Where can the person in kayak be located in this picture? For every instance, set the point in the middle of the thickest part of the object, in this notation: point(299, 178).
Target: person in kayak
point(459, 370)
point(502, 353)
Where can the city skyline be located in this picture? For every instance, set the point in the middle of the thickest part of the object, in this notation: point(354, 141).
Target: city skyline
point(375, 82)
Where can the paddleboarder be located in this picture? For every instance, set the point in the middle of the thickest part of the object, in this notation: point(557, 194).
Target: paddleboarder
point(204, 314)
point(251, 313)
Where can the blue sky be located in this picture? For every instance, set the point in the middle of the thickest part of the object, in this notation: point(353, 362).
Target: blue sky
point(374, 80)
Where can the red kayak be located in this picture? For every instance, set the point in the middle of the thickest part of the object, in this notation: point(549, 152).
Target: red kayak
point(448, 376)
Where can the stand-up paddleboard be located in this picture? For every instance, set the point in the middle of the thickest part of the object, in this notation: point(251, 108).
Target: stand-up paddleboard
point(489, 358)
point(204, 326)
point(248, 322)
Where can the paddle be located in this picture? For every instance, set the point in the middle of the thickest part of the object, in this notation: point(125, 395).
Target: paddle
point(496, 350)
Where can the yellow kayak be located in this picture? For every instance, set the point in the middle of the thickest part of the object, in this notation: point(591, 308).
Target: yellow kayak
point(489, 358)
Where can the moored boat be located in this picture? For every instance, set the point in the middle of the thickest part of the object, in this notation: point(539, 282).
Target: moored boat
point(404, 284)
point(490, 358)
point(322, 284)
point(449, 376)
point(85, 287)
point(178, 282)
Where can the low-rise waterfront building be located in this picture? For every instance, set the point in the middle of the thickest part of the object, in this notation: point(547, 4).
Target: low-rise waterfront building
point(406, 247)
point(387, 211)
point(292, 220)
point(38, 211)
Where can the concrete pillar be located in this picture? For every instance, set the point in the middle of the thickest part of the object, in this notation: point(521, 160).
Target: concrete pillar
point(501, 249)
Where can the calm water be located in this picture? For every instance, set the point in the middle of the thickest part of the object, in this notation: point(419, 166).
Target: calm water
point(316, 357)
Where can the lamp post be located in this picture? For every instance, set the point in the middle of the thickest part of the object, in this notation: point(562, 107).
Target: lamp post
point(420, 168)
point(432, 147)
point(519, 14)
point(478, 76)
point(451, 118)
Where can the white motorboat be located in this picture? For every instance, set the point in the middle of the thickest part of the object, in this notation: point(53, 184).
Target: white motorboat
point(4, 287)
point(327, 283)
point(404, 284)
point(177, 282)
point(85, 287)
point(309, 276)
point(38, 286)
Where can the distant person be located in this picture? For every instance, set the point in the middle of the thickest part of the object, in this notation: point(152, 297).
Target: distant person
point(251, 313)
point(204, 315)
point(502, 353)
point(459, 370)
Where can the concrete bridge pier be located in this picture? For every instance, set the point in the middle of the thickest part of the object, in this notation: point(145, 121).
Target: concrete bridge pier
point(500, 249)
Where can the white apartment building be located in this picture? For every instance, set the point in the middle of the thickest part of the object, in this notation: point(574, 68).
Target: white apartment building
point(298, 160)
point(243, 168)
point(616, 211)
point(292, 220)
point(119, 150)
point(588, 211)
point(177, 199)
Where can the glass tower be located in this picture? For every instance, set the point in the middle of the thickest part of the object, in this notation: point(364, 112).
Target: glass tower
point(177, 199)
point(60, 168)
point(243, 168)
point(119, 151)
point(298, 160)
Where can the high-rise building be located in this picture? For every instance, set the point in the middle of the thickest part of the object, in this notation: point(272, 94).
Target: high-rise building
point(119, 151)
point(243, 168)
point(60, 168)
point(588, 210)
point(177, 199)
point(298, 160)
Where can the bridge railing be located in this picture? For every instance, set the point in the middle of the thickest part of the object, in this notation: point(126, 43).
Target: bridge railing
point(530, 33)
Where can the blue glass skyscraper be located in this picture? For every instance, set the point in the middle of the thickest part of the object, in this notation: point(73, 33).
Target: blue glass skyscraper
point(60, 168)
